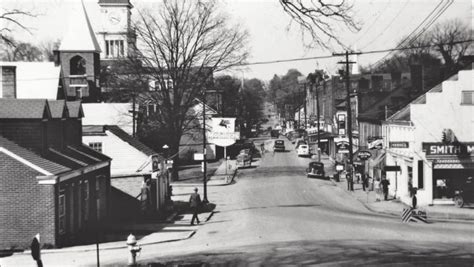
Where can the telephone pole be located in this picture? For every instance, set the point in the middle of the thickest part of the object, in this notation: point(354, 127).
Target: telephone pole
point(348, 99)
point(204, 150)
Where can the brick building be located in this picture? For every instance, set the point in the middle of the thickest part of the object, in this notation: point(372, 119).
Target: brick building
point(49, 182)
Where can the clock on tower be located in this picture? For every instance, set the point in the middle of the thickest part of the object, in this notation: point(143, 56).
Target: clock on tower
point(114, 36)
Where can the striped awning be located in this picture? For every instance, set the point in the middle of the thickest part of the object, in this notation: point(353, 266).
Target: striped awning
point(453, 163)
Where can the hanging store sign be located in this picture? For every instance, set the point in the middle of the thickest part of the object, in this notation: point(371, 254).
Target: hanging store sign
point(398, 144)
point(364, 155)
point(443, 149)
point(342, 147)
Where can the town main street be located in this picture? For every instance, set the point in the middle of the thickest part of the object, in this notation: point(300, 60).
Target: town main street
point(274, 215)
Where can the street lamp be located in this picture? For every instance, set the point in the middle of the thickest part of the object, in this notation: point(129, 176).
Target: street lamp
point(165, 154)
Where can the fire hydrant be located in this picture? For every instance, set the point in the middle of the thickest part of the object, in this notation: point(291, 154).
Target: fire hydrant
point(134, 250)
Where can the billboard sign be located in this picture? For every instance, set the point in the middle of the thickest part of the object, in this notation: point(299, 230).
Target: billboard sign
point(223, 131)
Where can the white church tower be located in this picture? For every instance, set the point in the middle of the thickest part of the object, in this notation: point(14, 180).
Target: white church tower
point(114, 35)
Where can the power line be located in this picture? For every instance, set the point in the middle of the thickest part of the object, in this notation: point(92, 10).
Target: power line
point(412, 32)
point(388, 26)
point(372, 24)
point(362, 53)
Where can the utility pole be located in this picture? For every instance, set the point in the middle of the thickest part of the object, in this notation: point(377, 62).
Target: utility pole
point(348, 99)
point(317, 115)
point(305, 119)
point(204, 162)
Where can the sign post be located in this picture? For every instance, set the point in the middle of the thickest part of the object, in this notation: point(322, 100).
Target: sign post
point(223, 134)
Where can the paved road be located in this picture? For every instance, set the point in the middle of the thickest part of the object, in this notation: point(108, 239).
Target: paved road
point(274, 215)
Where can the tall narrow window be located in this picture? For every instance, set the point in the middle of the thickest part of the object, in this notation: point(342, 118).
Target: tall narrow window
point(62, 213)
point(107, 50)
point(420, 174)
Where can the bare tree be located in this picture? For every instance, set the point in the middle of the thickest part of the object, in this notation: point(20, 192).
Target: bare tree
point(47, 48)
point(20, 51)
point(8, 20)
point(181, 44)
point(320, 19)
point(446, 37)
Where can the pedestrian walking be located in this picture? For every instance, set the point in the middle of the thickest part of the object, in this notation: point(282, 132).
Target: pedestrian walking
point(145, 198)
point(36, 250)
point(385, 183)
point(195, 203)
point(364, 181)
point(350, 182)
point(262, 148)
point(377, 189)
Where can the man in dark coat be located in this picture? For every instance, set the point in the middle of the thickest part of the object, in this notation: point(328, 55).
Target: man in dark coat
point(195, 203)
point(385, 183)
point(35, 250)
point(145, 198)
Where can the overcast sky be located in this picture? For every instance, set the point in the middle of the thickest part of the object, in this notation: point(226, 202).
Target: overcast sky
point(383, 23)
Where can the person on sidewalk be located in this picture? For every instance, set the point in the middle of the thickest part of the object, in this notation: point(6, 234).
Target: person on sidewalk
point(385, 183)
point(195, 203)
point(377, 189)
point(364, 181)
point(350, 182)
point(145, 198)
point(36, 250)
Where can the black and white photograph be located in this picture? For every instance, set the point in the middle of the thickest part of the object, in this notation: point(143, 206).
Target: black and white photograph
point(196, 133)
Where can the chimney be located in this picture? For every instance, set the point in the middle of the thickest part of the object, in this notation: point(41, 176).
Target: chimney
point(56, 58)
point(8, 82)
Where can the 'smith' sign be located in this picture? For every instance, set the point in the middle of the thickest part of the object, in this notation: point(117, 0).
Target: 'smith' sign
point(455, 149)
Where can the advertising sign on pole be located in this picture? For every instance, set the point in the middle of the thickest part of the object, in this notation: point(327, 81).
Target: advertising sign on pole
point(223, 131)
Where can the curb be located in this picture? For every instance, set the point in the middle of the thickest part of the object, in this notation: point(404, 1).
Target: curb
point(431, 218)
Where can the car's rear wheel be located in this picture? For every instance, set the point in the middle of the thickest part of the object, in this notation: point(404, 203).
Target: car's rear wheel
point(459, 201)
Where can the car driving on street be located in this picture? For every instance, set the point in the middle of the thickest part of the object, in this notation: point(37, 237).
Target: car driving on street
point(279, 145)
point(303, 150)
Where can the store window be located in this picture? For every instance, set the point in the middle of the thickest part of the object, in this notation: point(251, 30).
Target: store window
point(97, 146)
point(467, 98)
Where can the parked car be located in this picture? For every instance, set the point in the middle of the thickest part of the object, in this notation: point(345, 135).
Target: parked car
point(244, 158)
point(279, 145)
point(300, 142)
point(303, 150)
point(465, 195)
point(315, 169)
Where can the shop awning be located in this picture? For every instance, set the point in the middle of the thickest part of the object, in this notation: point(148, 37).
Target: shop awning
point(378, 160)
point(453, 163)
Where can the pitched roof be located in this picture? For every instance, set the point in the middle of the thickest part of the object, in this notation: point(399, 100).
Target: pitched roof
point(80, 36)
point(32, 158)
point(36, 79)
point(24, 109)
point(117, 131)
point(109, 114)
point(58, 109)
point(75, 109)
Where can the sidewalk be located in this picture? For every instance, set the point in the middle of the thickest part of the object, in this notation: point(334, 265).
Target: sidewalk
point(394, 207)
point(176, 227)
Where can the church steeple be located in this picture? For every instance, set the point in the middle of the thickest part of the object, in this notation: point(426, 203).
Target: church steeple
point(80, 36)
point(79, 57)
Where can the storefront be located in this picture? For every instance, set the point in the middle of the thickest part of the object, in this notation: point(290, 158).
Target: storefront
point(452, 164)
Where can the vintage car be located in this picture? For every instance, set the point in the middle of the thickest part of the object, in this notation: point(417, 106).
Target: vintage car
point(244, 158)
point(466, 195)
point(303, 150)
point(315, 169)
point(300, 142)
point(279, 145)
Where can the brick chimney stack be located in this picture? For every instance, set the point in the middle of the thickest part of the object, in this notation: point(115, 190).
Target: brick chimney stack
point(8, 82)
